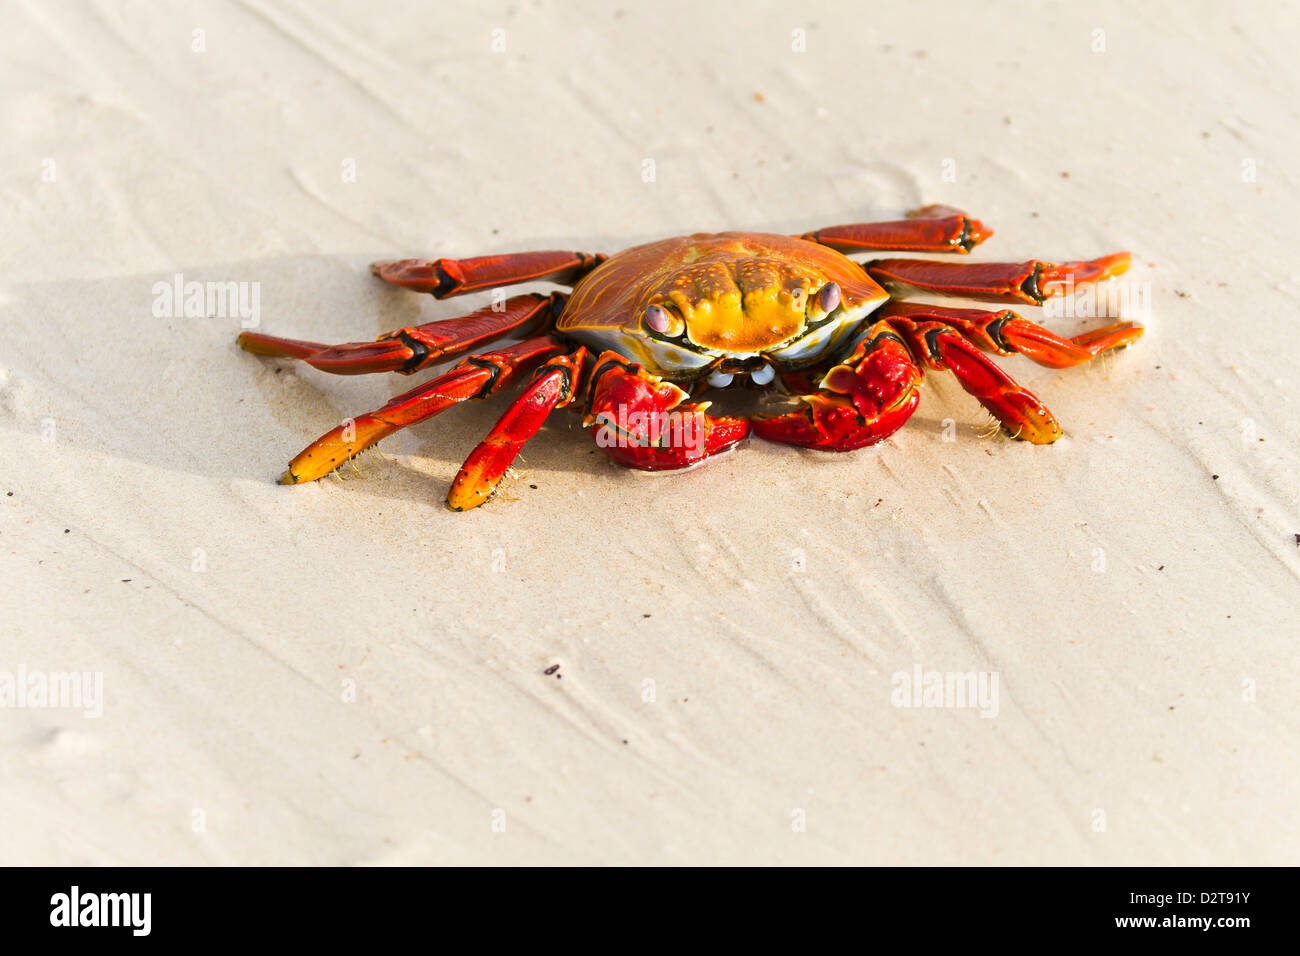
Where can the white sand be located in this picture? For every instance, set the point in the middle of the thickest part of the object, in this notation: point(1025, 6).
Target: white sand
point(1141, 615)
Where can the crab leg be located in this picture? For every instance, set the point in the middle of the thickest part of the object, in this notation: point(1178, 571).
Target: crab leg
point(353, 358)
point(923, 231)
point(643, 422)
point(941, 346)
point(447, 277)
point(475, 377)
point(861, 401)
point(1006, 333)
point(411, 349)
point(553, 386)
point(1031, 282)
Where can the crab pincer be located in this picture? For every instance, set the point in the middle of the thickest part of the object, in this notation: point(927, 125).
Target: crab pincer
point(859, 402)
point(643, 422)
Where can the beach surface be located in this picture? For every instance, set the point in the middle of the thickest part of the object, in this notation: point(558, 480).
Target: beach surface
point(724, 665)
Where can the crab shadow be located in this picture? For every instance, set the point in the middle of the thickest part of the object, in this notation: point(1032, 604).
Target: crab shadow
point(120, 369)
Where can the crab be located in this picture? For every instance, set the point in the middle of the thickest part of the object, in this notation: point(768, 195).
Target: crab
point(642, 334)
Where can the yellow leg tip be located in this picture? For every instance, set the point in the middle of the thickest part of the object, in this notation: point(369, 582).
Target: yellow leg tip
point(467, 502)
point(466, 495)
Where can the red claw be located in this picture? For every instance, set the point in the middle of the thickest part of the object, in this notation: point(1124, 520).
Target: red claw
point(641, 421)
point(861, 402)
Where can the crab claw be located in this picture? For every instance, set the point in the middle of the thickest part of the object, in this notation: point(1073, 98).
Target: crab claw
point(642, 422)
point(860, 402)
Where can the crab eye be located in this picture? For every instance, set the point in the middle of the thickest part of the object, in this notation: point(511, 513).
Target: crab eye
point(657, 319)
point(828, 300)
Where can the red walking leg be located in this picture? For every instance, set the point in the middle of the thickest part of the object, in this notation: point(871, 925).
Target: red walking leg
point(475, 377)
point(553, 386)
point(1030, 282)
point(353, 358)
point(411, 349)
point(1006, 333)
point(932, 229)
point(940, 346)
point(447, 277)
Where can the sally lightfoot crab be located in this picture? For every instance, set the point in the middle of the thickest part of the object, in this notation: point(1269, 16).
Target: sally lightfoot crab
point(642, 333)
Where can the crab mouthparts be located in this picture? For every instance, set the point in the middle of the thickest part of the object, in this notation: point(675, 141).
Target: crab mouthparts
point(759, 370)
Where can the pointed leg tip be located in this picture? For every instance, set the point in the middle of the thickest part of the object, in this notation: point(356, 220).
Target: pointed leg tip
point(977, 232)
point(1117, 263)
point(467, 501)
point(466, 494)
point(1035, 435)
point(289, 478)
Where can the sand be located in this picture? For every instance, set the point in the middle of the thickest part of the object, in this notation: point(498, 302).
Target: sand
point(347, 673)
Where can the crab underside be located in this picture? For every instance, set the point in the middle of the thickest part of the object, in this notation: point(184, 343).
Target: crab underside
point(642, 334)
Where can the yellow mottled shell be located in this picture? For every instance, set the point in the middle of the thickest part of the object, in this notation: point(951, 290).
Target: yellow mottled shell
point(736, 291)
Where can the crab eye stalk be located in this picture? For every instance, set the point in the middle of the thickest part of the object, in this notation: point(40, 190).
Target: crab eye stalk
point(656, 319)
point(660, 320)
point(828, 300)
